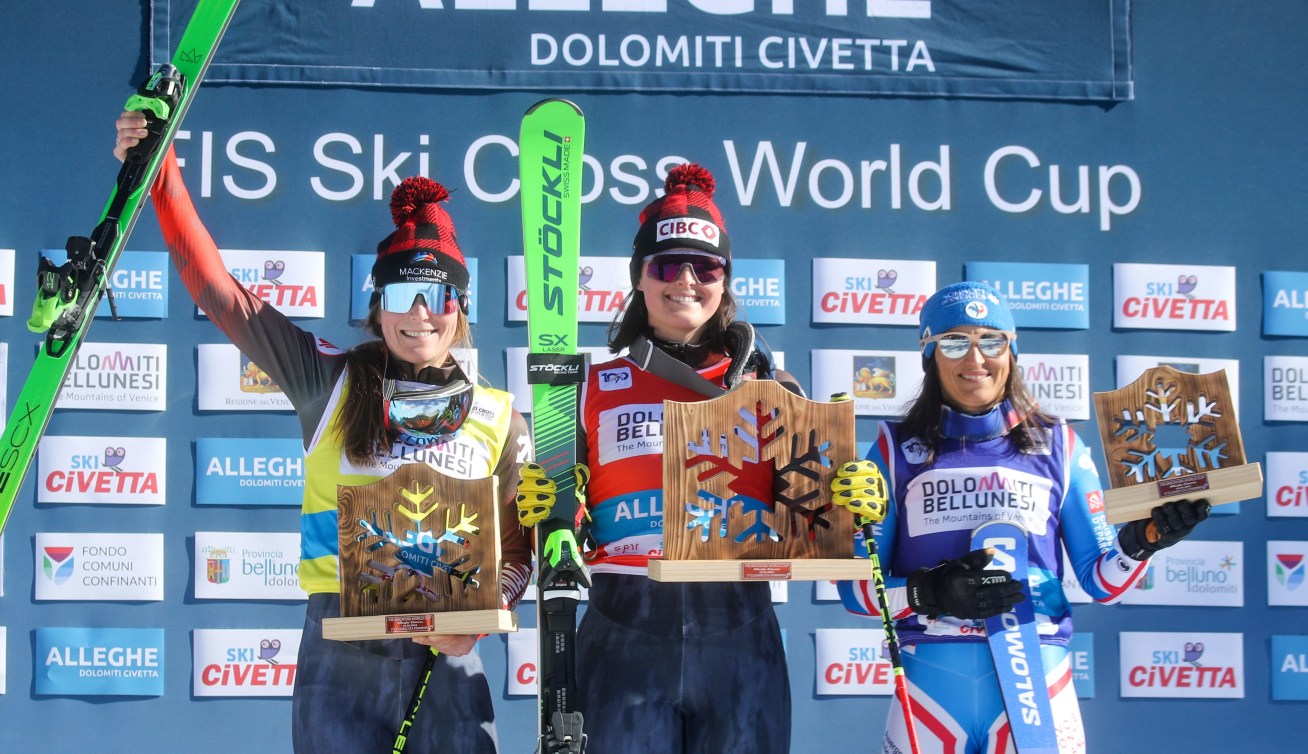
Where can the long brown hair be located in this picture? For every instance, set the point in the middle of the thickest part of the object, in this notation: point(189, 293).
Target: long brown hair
point(925, 416)
point(633, 320)
point(362, 424)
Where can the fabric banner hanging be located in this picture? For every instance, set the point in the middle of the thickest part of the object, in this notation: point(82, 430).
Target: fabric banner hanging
point(1077, 50)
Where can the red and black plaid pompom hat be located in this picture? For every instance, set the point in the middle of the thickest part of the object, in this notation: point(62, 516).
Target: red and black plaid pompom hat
point(423, 248)
point(685, 217)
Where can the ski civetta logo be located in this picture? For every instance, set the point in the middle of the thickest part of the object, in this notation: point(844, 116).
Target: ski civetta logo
point(272, 271)
point(886, 280)
point(268, 649)
point(58, 563)
point(113, 459)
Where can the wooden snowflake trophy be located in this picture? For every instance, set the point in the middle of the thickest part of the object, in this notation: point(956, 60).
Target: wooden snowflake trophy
point(1172, 435)
point(419, 554)
point(746, 489)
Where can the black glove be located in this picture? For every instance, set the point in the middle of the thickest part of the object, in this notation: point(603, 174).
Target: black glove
point(963, 588)
point(1167, 524)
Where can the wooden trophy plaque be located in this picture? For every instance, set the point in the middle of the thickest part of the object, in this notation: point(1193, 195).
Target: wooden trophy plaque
point(1172, 434)
point(419, 554)
point(746, 489)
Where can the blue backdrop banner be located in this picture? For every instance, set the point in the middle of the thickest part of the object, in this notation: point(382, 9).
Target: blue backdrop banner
point(1072, 50)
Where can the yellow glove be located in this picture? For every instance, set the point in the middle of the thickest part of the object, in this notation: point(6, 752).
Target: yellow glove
point(537, 493)
point(859, 487)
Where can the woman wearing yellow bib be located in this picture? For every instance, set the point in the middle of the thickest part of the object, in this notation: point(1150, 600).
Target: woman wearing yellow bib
point(396, 399)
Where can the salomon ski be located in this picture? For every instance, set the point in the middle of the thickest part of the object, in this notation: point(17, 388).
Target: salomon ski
point(68, 294)
point(550, 149)
point(1015, 645)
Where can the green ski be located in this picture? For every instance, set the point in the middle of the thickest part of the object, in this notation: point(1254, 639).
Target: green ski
point(68, 294)
point(550, 148)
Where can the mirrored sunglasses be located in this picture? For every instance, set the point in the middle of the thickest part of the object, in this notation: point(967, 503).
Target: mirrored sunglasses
point(399, 298)
point(955, 345)
point(704, 267)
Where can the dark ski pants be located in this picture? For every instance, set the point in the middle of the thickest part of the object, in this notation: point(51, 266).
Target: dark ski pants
point(722, 691)
point(352, 696)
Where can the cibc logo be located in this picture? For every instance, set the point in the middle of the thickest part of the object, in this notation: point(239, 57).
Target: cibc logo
point(687, 228)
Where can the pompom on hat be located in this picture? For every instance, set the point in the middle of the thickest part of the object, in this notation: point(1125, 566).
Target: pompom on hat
point(966, 303)
point(423, 248)
point(685, 217)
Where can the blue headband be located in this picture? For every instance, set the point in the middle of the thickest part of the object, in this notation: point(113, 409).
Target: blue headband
point(966, 303)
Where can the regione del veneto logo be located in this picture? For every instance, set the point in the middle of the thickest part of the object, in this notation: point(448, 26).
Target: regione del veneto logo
point(228, 381)
point(882, 383)
point(1182, 665)
point(1174, 297)
point(244, 662)
point(871, 291)
point(114, 470)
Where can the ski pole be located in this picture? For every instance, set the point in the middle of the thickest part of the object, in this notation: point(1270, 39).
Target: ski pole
point(892, 638)
point(402, 735)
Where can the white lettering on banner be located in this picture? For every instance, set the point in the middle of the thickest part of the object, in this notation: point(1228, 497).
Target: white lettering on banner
point(277, 466)
point(123, 278)
point(1082, 203)
point(720, 52)
point(1032, 294)
point(945, 500)
point(630, 431)
point(113, 657)
point(351, 170)
point(875, 8)
point(1290, 299)
point(893, 169)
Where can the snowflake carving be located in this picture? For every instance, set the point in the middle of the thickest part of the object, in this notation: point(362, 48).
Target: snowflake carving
point(758, 484)
point(420, 554)
point(1168, 436)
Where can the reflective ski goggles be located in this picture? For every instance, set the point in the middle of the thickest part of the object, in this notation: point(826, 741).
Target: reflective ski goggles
point(704, 267)
point(439, 298)
point(421, 414)
point(955, 345)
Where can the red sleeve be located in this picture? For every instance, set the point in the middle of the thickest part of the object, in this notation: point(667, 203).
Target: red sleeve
point(289, 354)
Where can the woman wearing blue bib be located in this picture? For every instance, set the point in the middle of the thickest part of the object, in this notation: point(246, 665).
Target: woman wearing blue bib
point(974, 447)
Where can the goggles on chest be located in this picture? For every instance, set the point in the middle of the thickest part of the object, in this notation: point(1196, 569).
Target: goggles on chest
point(420, 414)
point(439, 298)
